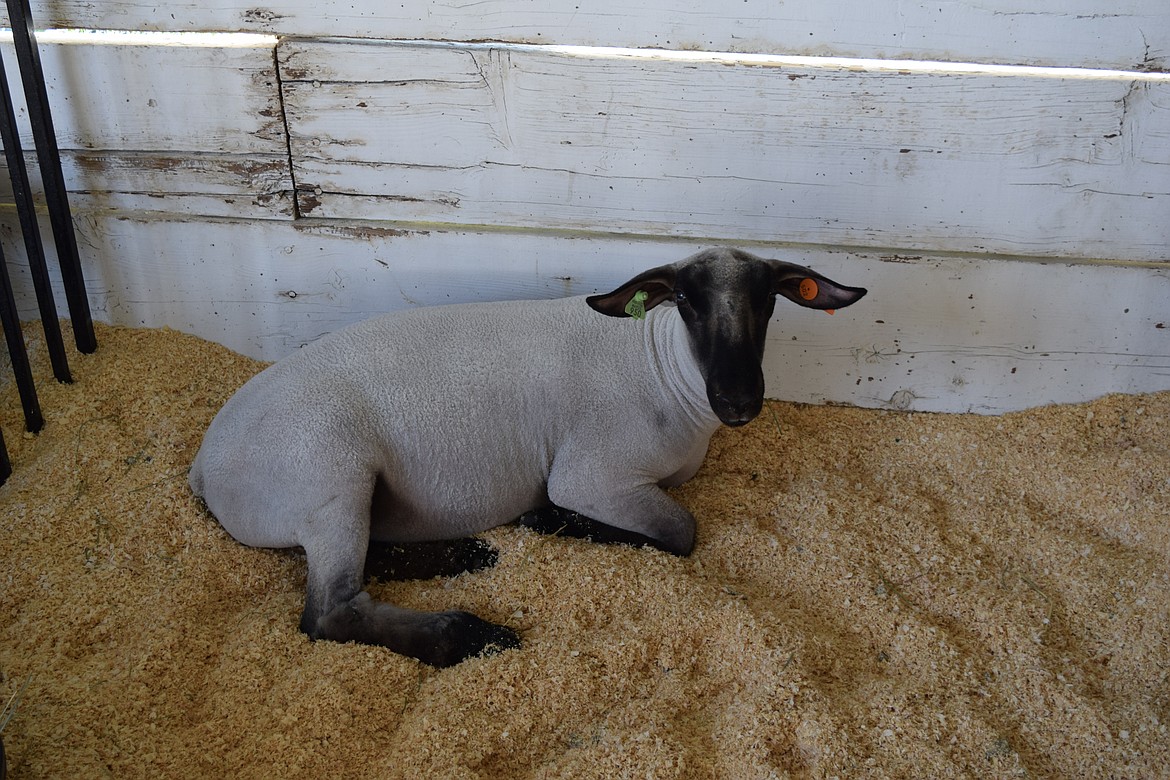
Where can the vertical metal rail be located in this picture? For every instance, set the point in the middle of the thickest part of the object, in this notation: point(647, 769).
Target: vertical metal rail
point(49, 157)
point(26, 210)
point(5, 463)
point(17, 353)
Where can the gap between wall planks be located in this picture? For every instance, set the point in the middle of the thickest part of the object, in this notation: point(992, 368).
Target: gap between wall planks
point(1125, 34)
point(935, 333)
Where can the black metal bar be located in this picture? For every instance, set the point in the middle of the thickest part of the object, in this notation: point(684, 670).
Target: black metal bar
point(26, 209)
point(5, 463)
point(49, 157)
point(17, 353)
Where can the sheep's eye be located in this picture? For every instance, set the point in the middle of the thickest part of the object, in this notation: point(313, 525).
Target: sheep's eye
point(680, 296)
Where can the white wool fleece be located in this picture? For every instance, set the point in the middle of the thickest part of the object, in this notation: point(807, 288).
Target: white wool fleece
point(455, 419)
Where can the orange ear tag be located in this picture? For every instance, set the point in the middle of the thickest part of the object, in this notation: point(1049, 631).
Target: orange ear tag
point(808, 289)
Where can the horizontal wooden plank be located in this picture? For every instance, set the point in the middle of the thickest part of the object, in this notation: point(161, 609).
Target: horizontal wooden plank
point(521, 136)
point(176, 129)
point(1088, 33)
point(935, 333)
point(139, 97)
point(180, 183)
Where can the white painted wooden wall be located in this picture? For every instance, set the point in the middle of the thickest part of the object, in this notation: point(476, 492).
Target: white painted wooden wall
point(344, 159)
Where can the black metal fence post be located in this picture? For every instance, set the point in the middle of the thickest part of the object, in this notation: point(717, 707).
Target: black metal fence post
point(49, 157)
point(5, 463)
point(26, 210)
point(17, 353)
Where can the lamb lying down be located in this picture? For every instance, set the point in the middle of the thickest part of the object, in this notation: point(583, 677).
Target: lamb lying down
point(438, 423)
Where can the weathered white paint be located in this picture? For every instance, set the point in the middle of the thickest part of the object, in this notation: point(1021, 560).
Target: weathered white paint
point(159, 98)
point(935, 333)
point(466, 135)
point(182, 170)
point(257, 186)
point(177, 129)
point(1094, 33)
point(484, 135)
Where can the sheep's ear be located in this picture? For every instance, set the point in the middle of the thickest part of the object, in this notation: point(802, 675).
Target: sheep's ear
point(808, 288)
point(657, 284)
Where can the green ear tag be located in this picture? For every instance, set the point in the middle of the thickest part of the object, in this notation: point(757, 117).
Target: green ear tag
point(636, 308)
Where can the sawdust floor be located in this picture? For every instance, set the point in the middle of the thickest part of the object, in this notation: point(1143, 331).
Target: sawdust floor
point(872, 595)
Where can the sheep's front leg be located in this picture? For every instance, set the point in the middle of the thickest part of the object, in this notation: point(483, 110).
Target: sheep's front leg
point(557, 521)
point(336, 608)
point(637, 514)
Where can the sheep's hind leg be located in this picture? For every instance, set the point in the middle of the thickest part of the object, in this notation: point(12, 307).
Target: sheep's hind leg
point(558, 521)
point(336, 607)
point(388, 561)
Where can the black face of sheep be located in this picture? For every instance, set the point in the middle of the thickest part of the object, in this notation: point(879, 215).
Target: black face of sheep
point(726, 298)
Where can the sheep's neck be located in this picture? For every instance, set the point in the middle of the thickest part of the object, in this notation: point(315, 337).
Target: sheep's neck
point(669, 350)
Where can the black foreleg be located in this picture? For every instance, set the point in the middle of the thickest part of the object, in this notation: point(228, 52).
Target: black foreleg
point(558, 521)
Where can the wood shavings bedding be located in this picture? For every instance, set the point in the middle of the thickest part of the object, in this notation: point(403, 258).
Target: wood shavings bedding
point(873, 594)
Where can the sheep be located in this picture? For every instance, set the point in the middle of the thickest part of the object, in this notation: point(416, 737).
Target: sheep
point(442, 422)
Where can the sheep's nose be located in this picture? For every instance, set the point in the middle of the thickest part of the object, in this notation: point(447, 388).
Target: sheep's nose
point(733, 412)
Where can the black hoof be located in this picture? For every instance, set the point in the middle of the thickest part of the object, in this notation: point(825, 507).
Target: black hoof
point(466, 636)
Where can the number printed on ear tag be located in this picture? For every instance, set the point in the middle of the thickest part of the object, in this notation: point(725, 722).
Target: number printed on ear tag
point(636, 308)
